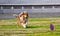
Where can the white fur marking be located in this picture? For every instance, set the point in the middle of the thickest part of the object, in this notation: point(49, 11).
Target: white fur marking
point(24, 25)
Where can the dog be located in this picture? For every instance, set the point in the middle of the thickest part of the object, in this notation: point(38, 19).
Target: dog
point(22, 19)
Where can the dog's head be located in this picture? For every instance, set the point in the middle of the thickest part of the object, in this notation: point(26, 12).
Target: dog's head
point(24, 14)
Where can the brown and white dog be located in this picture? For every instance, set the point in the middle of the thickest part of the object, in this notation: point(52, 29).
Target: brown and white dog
point(22, 19)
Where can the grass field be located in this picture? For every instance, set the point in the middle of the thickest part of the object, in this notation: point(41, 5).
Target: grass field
point(35, 27)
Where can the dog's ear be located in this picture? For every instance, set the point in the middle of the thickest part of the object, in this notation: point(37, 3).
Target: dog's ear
point(21, 14)
point(15, 15)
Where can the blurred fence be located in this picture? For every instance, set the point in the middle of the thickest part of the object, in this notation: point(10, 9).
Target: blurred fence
point(31, 14)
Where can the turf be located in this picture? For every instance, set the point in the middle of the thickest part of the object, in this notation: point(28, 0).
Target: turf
point(35, 27)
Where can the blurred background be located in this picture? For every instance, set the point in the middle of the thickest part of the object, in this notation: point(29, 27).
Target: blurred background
point(35, 8)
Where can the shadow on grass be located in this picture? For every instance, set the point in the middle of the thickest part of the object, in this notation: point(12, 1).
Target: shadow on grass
point(34, 26)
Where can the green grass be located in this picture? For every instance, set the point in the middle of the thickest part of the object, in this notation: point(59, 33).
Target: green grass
point(35, 27)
